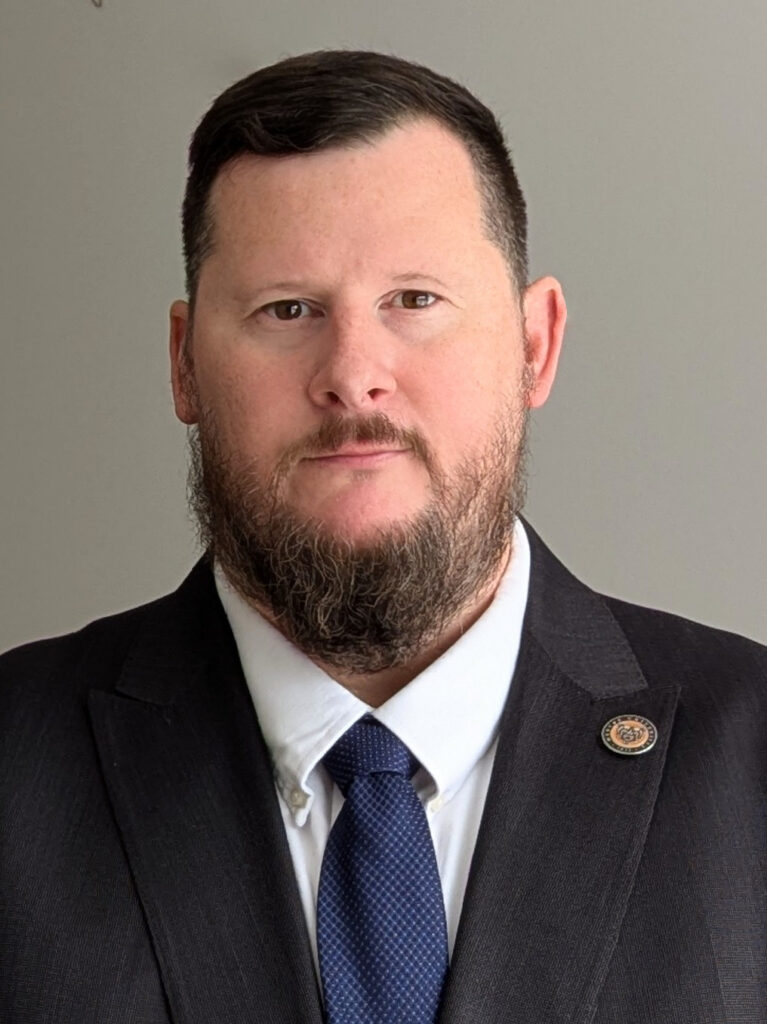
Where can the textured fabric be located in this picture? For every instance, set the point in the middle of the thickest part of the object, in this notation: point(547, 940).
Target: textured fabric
point(448, 725)
point(380, 918)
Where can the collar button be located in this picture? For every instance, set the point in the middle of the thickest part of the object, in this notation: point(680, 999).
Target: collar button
point(297, 799)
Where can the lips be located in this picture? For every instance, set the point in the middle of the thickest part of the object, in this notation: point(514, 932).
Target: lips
point(359, 449)
point(357, 455)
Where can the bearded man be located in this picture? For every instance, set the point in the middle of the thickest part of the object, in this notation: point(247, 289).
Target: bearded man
point(380, 758)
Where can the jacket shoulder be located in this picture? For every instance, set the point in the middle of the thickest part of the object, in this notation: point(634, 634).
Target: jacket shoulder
point(41, 663)
point(668, 627)
point(94, 654)
point(111, 633)
point(698, 656)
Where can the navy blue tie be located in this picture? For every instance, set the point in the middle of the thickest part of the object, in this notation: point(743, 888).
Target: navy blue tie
point(381, 928)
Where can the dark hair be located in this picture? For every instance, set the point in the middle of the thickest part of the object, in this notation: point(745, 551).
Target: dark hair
point(339, 97)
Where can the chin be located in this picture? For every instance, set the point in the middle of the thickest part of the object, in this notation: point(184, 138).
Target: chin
point(361, 530)
point(361, 516)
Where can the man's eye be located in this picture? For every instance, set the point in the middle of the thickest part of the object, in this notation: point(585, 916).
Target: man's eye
point(415, 300)
point(287, 309)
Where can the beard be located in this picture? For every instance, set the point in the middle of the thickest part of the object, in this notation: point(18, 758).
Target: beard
point(367, 606)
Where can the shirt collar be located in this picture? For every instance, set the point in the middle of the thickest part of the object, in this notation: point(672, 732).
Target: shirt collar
point(448, 715)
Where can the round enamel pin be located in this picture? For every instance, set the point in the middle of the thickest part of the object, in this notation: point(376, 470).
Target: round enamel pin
point(629, 734)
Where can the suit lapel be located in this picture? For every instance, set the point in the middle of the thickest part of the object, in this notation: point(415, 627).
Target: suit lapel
point(191, 787)
point(565, 820)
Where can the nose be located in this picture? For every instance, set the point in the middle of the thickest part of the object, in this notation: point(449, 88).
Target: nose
point(354, 369)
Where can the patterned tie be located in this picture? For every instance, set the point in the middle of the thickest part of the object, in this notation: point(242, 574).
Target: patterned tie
point(380, 917)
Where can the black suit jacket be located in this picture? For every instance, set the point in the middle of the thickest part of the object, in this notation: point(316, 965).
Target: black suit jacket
point(145, 874)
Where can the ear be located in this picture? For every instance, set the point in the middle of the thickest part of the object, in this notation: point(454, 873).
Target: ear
point(545, 315)
point(181, 365)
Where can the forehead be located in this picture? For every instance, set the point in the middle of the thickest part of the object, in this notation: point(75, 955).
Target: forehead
point(414, 176)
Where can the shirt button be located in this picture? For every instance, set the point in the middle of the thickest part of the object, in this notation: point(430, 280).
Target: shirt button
point(435, 804)
point(297, 798)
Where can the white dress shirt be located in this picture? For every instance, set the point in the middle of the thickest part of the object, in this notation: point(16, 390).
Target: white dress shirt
point(448, 716)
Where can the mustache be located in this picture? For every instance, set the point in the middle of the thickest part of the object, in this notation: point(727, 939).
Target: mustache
point(337, 431)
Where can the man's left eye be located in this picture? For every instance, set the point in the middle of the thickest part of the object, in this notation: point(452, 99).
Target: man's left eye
point(414, 299)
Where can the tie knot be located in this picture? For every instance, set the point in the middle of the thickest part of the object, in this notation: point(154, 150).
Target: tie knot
point(365, 749)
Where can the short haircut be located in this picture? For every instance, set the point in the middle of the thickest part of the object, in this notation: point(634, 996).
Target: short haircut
point(336, 98)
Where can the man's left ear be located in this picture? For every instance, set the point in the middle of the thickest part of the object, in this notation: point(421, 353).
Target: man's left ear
point(545, 314)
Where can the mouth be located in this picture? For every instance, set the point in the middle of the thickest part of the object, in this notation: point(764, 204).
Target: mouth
point(357, 456)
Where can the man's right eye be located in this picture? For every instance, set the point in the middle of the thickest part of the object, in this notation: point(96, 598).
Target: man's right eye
point(287, 309)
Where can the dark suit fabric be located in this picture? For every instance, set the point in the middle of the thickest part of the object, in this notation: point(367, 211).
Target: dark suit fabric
point(145, 874)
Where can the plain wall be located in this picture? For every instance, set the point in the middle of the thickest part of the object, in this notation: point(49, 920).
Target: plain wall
point(638, 132)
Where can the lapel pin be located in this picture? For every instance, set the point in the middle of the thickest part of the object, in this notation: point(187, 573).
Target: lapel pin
point(629, 734)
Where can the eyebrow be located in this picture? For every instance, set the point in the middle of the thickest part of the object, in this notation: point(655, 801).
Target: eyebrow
point(283, 286)
point(418, 275)
point(297, 287)
point(247, 296)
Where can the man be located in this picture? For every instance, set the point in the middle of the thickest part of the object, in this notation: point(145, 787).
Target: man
point(583, 838)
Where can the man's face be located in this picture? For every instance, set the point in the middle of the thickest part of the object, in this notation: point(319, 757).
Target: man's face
point(346, 283)
point(358, 353)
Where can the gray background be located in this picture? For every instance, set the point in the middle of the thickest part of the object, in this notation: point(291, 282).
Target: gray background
point(639, 135)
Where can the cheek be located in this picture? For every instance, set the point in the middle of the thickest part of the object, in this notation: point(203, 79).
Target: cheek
point(465, 397)
point(467, 401)
point(229, 397)
point(255, 407)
